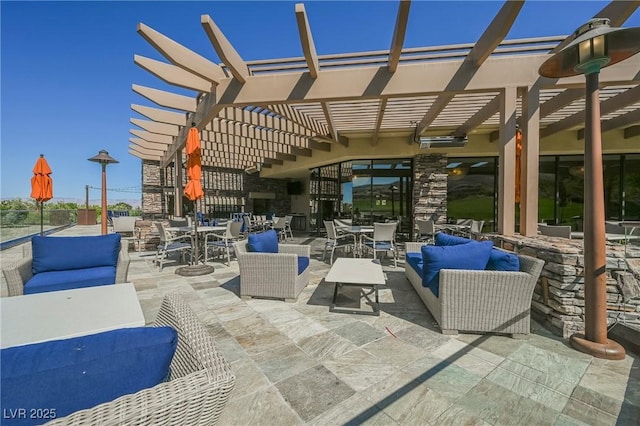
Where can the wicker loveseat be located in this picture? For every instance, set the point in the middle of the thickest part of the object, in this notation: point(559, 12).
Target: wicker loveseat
point(63, 263)
point(277, 275)
point(479, 300)
point(199, 384)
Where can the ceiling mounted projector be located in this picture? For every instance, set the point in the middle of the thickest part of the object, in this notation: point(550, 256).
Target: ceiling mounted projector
point(442, 141)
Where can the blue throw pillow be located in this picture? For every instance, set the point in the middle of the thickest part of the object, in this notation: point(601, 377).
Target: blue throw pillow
point(472, 256)
point(264, 242)
point(444, 239)
point(73, 374)
point(303, 263)
point(65, 253)
point(503, 261)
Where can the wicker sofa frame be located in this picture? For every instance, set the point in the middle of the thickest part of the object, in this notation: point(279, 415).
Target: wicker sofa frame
point(18, 273)
point(272, 274)
point(198, 388)
point(480, 301)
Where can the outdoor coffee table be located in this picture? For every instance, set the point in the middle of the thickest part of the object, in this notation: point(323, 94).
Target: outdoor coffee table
point(357, 273)
point(63, 314)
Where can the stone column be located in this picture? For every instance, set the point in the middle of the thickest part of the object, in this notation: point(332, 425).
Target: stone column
point(430, 187)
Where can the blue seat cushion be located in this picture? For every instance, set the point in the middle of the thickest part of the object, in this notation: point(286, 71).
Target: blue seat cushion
point(263, 242)
point(303, 263)
point(473, 256)
point(66, 280)
point(415, 261)
point(73, 374)
point(380, 245)
point(444, 239)
point(65, 253)
point(502, 261)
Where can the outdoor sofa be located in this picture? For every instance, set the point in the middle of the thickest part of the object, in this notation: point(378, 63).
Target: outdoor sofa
point(192, 379)
point(63, 263)
point(470, 286)
point(269, 269)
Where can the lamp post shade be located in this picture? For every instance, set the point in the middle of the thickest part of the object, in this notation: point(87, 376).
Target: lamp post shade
point(595, 45)
point(593, 41)
point(103, 158)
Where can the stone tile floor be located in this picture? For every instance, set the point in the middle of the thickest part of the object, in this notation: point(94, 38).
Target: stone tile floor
point(297, 363)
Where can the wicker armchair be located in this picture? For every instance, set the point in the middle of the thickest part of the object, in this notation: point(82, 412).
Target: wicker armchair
point(480, 301)
point(198, 388)
point(18, 273)
point(272, 274)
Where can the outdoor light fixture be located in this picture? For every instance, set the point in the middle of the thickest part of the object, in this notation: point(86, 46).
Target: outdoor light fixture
point(442, 142)
point(595, 45)
point(103, 158)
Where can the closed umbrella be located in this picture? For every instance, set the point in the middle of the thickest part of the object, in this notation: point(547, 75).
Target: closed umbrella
point(518, 164)
point(41, 186)
point(193, 191)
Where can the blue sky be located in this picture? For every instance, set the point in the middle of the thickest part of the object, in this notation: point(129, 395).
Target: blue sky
point(67, 67)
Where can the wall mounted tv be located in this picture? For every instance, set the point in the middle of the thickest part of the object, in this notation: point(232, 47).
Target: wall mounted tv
point(294, 188)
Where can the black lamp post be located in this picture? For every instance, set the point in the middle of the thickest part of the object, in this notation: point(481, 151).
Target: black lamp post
point(393, 189)
point(595, 45)
point(103, 158)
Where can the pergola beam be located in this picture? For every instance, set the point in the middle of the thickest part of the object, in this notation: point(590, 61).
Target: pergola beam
point(152, 137)
point(166, 99)
point(619, 122)
point(608, 106)
point(410, 80)
point(160, 115)
point(399, 32)
point(485, 113)
point(160, 148)
point(379, 117)
point(488, 41)
point(225, 50)
point(172, 74)
point(306, 38)
point(156, 127)
point(180, 56)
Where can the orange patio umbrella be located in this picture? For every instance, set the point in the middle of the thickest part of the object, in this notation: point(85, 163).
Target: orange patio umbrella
point(518, 165)
point(193, 190)
point(41, 186)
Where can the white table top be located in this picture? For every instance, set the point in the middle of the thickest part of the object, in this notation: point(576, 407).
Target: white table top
point(358, 229)
point(63, 314)
point(188, 229)
point(356, 271)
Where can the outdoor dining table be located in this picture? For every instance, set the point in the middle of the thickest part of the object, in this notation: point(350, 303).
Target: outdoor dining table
point(358, 231)
point(202, 231)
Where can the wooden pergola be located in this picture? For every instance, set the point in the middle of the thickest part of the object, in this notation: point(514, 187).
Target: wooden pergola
point(285, 116)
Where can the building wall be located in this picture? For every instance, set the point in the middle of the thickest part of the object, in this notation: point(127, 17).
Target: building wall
point(223, 187)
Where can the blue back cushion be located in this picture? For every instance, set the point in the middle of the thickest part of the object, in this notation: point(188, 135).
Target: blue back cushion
point(264, 242)
point(82, 372)
point(303, 263)
point(502, 261)
point(67, 280)
point(473, 256)
point(415, 261)
point(443, 239)
point(65, 253)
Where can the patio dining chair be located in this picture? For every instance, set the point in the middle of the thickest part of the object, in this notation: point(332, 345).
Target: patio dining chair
point(280, 226)
point(336, 240)
point(219, 242)
point(287, 225)
point(383, 240)
point(426, 230)
point(170, 243)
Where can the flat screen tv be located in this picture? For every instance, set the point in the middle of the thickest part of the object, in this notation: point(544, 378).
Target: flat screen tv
point(294, 188)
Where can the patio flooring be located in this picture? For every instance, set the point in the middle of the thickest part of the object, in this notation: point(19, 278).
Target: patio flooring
point(297, 363)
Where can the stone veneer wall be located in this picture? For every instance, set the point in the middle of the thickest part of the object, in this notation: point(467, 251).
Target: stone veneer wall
point(151, 188)
point(558, 299)
point(430, 187)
